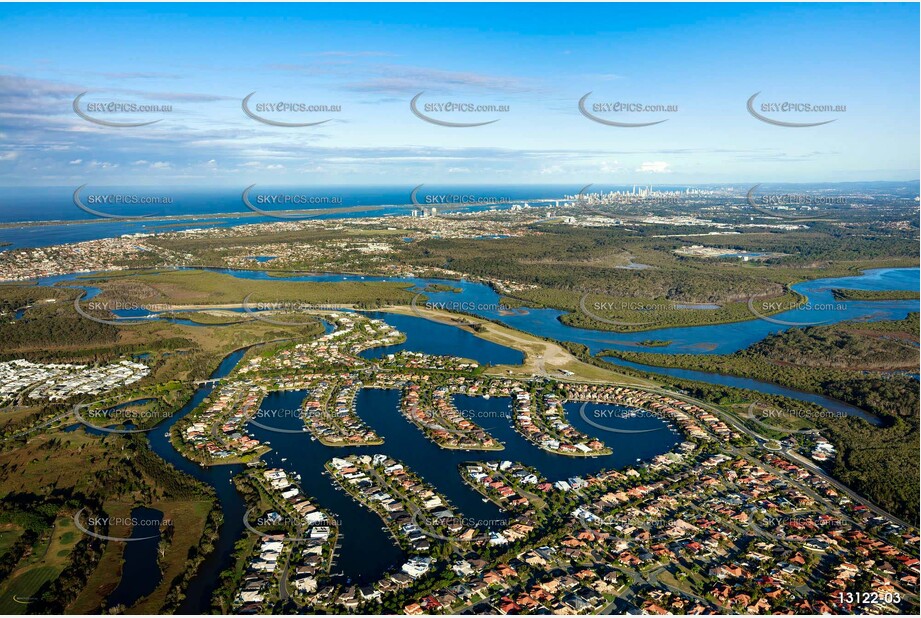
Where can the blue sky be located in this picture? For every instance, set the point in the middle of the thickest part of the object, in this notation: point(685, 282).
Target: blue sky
point(537, 59)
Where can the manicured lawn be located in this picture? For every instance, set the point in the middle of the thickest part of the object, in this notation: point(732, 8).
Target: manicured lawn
point(44, 565)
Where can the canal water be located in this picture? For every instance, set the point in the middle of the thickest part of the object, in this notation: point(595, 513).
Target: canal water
point(198, 594)
point(367, 550)
point(430, 337)
point(482, 300)
point(379, 408)
point(141, 571)
point(829, 403)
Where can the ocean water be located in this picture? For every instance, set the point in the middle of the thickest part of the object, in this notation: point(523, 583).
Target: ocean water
point(57, 205)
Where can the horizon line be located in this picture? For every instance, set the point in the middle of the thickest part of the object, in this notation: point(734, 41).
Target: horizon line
point(491, 184)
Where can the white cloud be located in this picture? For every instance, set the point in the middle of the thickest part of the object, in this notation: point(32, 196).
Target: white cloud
point(654, 167)
point(76, 162)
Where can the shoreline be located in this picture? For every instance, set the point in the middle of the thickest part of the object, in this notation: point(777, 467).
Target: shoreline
point(308, 214)
point(284, 274)
point(543, 351)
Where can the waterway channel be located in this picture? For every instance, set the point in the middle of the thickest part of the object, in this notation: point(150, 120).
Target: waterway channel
point(366, 549)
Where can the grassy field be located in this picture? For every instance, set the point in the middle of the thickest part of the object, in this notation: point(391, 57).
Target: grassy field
point(79, 464)
point(556, 265)
point(631, 314)
point(542, 357)
point(49, 558)
point(56, 461)
point(16, 414)
point(84, 465)
point(205, 288)
point(106, 576)
point(188, 518)
point(212, 318)
point(22, 586)
point(9, 533)
point(177, 355)
point(842, 294)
